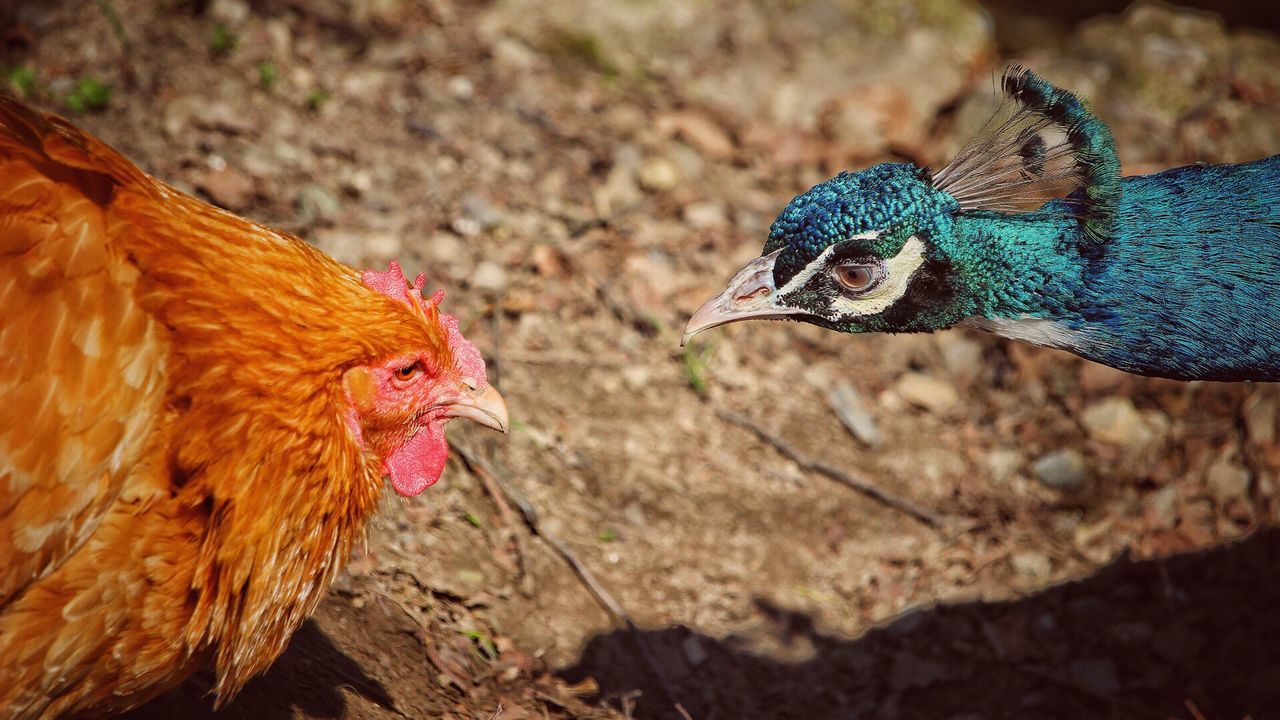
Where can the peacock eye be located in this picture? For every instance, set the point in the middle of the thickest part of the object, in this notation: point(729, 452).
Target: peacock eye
point(856, 278)
point(409, 372)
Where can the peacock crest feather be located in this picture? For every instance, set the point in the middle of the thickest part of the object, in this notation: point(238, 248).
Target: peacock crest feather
point(1040, 144)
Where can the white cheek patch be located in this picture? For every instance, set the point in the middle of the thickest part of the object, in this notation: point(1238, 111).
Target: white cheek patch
point(899, 270)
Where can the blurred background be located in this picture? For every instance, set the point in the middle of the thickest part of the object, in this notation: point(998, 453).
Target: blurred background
point(580, 175)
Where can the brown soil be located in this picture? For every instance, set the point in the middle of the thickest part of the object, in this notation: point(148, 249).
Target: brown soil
point(576, 218)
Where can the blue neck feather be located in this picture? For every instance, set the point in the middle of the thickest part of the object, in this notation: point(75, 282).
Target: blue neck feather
point(1186, 286)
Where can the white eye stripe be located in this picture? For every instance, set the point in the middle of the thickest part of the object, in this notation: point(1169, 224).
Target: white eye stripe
point(818, 264)
point(899, 270)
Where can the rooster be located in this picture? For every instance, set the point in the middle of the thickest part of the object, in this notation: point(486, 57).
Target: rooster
point(197, 414)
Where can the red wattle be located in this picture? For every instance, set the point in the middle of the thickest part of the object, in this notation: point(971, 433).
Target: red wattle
point(417, 464)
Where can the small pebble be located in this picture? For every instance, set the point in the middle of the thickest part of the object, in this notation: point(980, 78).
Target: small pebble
point(1227, 480)
point(1115, 420)
point(1062, 470)
point(461, 88)
point(489, 276)
point(1002, 463)
point(1033, 567)
point(928, 392)
point(658, 175)
point(854, 413)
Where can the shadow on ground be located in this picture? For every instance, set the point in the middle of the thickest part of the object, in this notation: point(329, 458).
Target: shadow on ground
point(312, 677)
point(1189, 637)
point(1135, 640)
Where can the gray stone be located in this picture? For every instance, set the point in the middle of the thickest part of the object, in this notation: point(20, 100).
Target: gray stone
point(854, 412)
point(1062, 470)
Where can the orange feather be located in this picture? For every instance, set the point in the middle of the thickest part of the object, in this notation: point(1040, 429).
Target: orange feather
point(178, 482)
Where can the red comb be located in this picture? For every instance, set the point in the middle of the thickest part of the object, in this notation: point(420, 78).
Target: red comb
point(395, 285)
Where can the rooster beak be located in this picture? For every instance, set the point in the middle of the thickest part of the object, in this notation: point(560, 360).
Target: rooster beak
point(483, 406)
point(750, 294)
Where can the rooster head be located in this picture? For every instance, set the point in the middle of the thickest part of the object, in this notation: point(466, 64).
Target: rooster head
point(399, 404)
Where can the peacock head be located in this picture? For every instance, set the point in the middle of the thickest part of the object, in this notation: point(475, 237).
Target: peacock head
point(878, 250)
point(853, 254)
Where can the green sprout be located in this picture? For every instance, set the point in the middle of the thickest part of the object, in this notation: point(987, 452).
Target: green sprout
point(89, 96)
point(695, 358)
point(222, 41)
point(267, 75)
point(487, 647)
point(608, 535)
point(471, 518)
point(586, 49)
point(316, 99)
point(23, 81)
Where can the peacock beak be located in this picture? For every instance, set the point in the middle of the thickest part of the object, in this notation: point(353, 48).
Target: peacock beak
point(750, 294)
point(484, 406)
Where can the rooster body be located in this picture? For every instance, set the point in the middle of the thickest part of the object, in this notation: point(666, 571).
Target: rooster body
point(196, 415)
point(1031, 233)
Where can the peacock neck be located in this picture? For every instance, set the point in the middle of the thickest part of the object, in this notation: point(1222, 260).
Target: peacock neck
point(1020, 266)
point(1186, 287)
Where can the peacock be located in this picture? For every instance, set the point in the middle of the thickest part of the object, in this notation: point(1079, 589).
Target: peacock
point(1032, 234)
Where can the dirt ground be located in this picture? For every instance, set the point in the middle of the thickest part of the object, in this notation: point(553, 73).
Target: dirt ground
point(579, 176)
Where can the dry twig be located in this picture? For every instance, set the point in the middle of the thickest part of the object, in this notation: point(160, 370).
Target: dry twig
point(507, 516)
point(499, 494)
point(805, 462)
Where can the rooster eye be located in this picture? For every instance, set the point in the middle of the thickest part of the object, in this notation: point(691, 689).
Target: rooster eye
point(409, 372)
point(857, 278)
